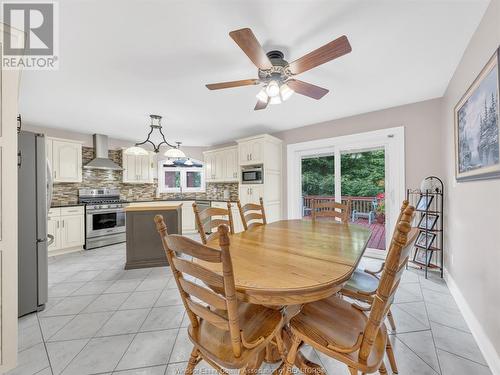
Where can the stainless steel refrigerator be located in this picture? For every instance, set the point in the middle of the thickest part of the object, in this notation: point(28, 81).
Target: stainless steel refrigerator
point(33, 203)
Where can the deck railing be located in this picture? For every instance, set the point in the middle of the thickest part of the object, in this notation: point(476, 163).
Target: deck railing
point(360, 204)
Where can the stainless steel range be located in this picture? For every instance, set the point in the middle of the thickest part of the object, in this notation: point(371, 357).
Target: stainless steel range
point(105, 217)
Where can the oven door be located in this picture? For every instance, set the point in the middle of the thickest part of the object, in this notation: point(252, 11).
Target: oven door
point(103, 222)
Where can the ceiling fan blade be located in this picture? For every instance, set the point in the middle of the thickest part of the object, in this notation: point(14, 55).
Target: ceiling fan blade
point(261, 105)
point(307, 89)
point(227, 85)
point(247, 41)
point(328, 52)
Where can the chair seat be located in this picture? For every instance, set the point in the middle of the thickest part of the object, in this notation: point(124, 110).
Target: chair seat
point(362, 282)
point(255, 321)
point(333, 322)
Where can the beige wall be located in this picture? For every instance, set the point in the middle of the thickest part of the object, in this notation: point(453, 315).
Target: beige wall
point(192, 152)
point(422, 136)
point(472, 221)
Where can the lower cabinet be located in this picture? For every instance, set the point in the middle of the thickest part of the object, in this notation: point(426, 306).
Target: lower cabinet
point(67, 225)
point(188, 225)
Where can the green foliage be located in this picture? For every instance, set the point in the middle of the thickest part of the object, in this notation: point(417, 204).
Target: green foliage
point(363, 174)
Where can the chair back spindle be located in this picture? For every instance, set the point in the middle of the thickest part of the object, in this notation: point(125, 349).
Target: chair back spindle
point(210, 218)
point(220, 310)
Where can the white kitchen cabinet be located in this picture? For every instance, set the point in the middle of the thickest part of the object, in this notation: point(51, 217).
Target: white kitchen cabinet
point(137, 169)
point(251, 151)
point(67, 225)
point(221, 165)
point(72, 231)
point(232, 169)
point(65, 158)
point(53, 229)
point(251, 193)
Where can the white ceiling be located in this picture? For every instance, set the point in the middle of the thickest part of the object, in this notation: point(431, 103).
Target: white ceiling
point(121, 60)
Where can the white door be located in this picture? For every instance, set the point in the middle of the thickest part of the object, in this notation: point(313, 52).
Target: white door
point(67, 161)
point(244, 153)
point(220, 165)
point(9, 82)
point(53, 229)
point(209, 167)
point(72, 231)
point(256, 151)
point(129, 168)
point(144, 168)
point(231, 164)
point(256, 191)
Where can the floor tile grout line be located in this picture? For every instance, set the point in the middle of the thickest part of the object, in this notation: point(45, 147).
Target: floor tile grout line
point(464, 358)
point(90, 339)
point(44, 344)
point(416, 318)
point(131, 341)
point(432, 333)
point(423, 360)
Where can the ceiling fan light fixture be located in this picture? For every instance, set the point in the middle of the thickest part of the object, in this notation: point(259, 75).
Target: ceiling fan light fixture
point(136, 150)
point(262, 96)
point(273, 89)
point(275, 100)
point(285, 92)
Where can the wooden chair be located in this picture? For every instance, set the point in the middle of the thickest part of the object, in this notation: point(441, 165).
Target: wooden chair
point(257, 213)
point(330, 209)
point(363, 285)
point(224, 331)
point(342, 330)
point(206, 223)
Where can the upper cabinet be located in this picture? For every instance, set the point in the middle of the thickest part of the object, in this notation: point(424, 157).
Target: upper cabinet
point(65, 159)
point(262, 149)
point(221, 165)
point(138, 169)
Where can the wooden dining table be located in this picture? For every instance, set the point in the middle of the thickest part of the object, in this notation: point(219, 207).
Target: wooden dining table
point(289, 263)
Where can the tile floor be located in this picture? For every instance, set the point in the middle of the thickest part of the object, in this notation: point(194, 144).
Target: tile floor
point(101, 319)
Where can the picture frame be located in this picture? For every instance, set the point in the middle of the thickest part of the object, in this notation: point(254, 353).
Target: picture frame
point(425, 239)
point(428, 221)
point(420, 256)
point(477, 134)
point(424, 202)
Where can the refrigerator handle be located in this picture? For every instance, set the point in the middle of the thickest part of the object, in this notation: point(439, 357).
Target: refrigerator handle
point(50, 188)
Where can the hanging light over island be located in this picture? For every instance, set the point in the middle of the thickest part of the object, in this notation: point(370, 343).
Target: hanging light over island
point(174, 152)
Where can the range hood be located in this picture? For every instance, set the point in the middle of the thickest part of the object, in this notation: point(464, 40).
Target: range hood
point(101, 160)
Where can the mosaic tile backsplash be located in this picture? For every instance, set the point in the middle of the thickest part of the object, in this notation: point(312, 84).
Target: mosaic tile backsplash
point(67, 193)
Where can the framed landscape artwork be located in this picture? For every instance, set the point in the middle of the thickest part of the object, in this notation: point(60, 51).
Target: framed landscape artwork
point(477, 153)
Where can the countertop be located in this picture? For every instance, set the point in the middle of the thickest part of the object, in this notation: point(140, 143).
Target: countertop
point(151, 206)
point(59, 205)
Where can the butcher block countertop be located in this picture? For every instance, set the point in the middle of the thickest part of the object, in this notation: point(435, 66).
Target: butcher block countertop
point(152, 206)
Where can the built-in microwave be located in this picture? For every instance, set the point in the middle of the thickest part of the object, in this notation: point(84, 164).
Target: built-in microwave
point(252, 174)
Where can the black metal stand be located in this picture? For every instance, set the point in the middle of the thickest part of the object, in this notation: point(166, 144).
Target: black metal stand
point(434, 208)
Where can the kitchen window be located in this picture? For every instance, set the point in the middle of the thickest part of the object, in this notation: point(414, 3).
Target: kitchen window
point(180, 179)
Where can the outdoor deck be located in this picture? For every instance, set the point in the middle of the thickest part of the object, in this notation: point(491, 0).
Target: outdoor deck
point(361, 204)
point(377, 240)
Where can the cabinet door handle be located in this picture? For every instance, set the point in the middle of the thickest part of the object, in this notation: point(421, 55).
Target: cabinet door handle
point(63, 223)
point(250, 156)
point(57, 224)
point(55, 174)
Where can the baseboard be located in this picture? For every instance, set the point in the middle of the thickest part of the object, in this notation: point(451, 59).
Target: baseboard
point(484, 343)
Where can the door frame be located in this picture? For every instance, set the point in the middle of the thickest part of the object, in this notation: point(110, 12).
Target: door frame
point(391, 139)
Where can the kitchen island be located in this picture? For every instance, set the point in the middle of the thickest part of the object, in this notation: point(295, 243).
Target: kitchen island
point(144, 247)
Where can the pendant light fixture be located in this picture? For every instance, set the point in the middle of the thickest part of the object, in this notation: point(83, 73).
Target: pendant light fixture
point(174, 152)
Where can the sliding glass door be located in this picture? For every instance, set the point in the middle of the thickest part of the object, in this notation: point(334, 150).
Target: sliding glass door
point(366, 172)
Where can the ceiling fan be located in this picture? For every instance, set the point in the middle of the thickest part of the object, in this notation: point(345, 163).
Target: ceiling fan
point(276, 74)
